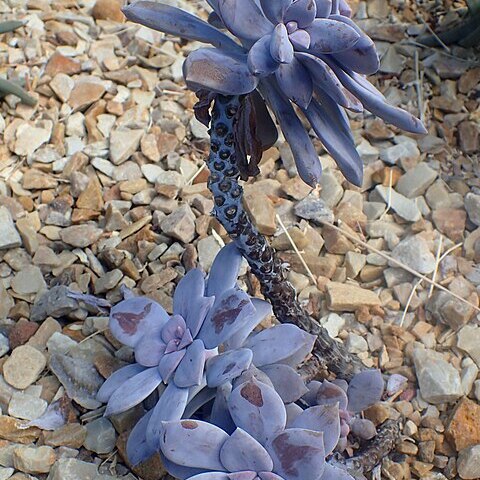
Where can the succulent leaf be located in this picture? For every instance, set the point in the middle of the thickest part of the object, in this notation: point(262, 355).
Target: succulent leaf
point(260, 61)
point(365, 389)
point(224, 271)
point(227, 366)
point(190, 369)
point(275, 11)
point(331, 36)
point(286, 381)
point(295, 82)
point(117, 379)
point(303, 12)
point(335, 473)
point(138, 449)
point(281, 49)
point(324, 8)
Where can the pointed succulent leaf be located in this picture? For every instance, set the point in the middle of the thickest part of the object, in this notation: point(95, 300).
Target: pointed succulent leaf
point(192, 443)
point(365, 389)
point(301, 11)
point(281, 48)
point(133, 391)
point(257, 409)
point(117, 380)
point(131, 319)
point(377, 105)
point(212, 69)
point(244, 19)
point(310, 398)
point(242, 452)
point(298, 454)
point(334, 132)
point(363, 428)
point(330, 394)
point(269, 476)
point(211, 476)
point(260, 61)
point(324, 78)
point(253, 373)
point(304, 153)
point(263, 310)
point(220, 415)
point(286, 381)
point(245, 475)
point(227, 316)
point(295, 82)
point(179, 471)
point(174, 328)
point(170, 407)
point(300, 39)
point(324, 8)
point(190, 370)
point(275, 11)
point(331, 36)
point(137, 448)
point(150, 350)
point(198, 401)
point(293, 411)
point(169, 363)
point(285, 343)
point(335, 473)
point(266, 129)
point(227, 366)
point(224, 271)
point(175, 21)
point(323, 418)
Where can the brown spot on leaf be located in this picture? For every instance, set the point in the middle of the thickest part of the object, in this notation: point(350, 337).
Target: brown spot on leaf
point(252, 394)
point(226, 313)
point(189, 424)
point(229, 368)
point(129, 321)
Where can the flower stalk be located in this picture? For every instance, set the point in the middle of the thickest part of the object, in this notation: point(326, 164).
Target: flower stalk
point(265, 264)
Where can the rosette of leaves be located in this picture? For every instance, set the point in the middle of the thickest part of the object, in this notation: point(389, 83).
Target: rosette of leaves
point(364, 390)
point(261, 447)
point(179, 354)
point(307, 53)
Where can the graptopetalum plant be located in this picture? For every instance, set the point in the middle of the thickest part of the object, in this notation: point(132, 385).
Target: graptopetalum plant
point(254, 417)
point(301, 58)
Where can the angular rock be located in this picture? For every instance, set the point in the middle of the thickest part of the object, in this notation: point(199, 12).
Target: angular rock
point(84, 94)
point(451, 222)
point(315, 209)
point(16, 431)
point(207, 250)
point(101, 436)
point(262, 213)
point(404, 207)
point(81, 236)
point(180, 224)
point(34, 459)
point(9, 236)
point(71, 435)
point(472, 206)
point(73, 469)
point(463, 427)
point(414, 252)
point(28, 280)
point(469, 341)
point(438, 380)
point(24, 366)
point(348, 298)
point(123, 144)
point(108, 10)
point(416, 181)
point(468, 463)
point(26, 407)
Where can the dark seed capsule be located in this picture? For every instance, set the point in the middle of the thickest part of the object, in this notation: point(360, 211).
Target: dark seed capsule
point(236, 192)
point(214, 177)
point(221, 129)
point(229, 139)
point(224, 154)
point(215, 146)
point(219, 201)
point(251, 240)
point(225, 186)
point(231, 172)
point(232, 111)
point(218, 166)
point(230, 212)
point(266, 256)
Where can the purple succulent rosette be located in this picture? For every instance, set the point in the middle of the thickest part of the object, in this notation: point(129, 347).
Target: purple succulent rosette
point(308, 52)
point(179, 354)
point(262, 446)
point(365, 389)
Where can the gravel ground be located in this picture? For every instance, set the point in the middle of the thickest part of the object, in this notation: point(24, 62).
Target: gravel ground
point(102, 185)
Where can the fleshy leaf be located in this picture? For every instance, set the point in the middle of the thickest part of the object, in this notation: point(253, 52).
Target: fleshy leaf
point(265, 128)
point(192, 443)
point(242, 452)
point(295, 82)
point(213, 69)
point(286, 381)
point(131, 319)
point(324, 8)
point(331, 36)
point(224, 271)
point(335, 473)
point(275, 10)
point(244, 18)
point(363, 428)
point(300, 39)
point(376, 104)
point(330, 126)
point(281, 49)
point(169, 407)
point(269, 476)
point(260, 60)
point(365, 389)
point(117, 379)
point(150, 350)
point(227, 366)
point(169, 363)
point(220, 415)
point(306, 158)
point(324, 78)
point(211, 476)
point(263, 310)
point(198, 401)
point(137, 448)
point(323, 418)
point(293, 411)
point(301, 11)
point(285, 343)
point(173, 329)
point(175, 21)
point(344, 8)
point(331, 394)
point(226, 317)
point(190, 370)
point(298, 454)
point(178, 471)
point(257, 409)
point(133, 391)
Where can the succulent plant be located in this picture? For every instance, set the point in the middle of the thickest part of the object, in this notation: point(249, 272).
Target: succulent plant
point(261, 447)
point(364, 390)
point(308, 52)
point(181, 352)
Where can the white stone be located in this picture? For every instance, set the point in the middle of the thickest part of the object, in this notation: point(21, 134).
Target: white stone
point(9, 236)
point(151, 172)
point(62, 84)
point(26, 407)
point(123, 144)
point(333, 323)
point(29, 139)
